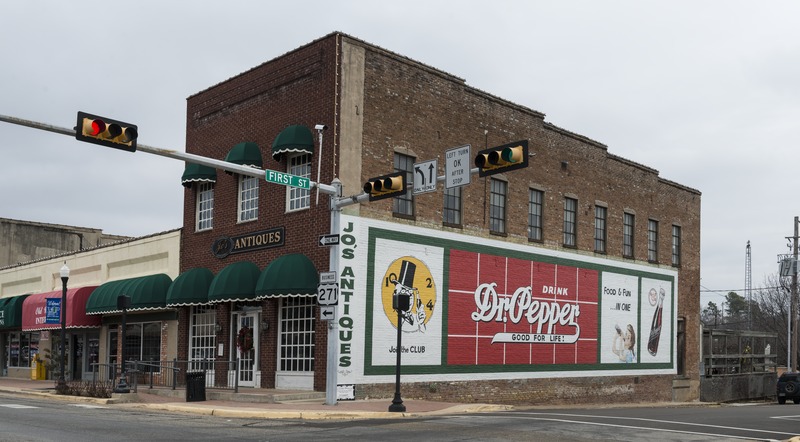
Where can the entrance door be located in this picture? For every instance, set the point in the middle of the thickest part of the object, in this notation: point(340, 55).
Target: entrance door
point(296, 345)
point(113, 358)
point(246, 341)
point(92, 354)
point(76, 356)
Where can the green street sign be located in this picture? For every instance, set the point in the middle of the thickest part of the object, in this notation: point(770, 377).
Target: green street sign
point(285, 179)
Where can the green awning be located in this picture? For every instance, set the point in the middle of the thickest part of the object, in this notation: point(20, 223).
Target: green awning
point(246, 154)
point(11, 312)
point(190, 288)
point(297, 138)
point(197, 173)
point(146, 293)
point(289, 275)
point(236, 282)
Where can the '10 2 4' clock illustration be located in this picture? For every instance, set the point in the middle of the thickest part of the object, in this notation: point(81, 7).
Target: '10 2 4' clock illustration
point(410, 276)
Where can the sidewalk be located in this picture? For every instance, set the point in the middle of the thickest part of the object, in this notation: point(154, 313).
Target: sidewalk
point(299, 409)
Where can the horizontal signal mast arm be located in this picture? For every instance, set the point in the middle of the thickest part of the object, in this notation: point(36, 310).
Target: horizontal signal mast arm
point(183, 156)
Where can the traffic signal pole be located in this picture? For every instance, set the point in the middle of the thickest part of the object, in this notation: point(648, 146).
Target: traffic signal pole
point(337, 203)
point(507, 157)
point(174, 154)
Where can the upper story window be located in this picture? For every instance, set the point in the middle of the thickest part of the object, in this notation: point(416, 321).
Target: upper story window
point(297, 198)
point(628, 225)
point(403, 205)
point(676, 245)
point(652, 240)
point(451, 212)
point(497, 206)
point(535, 210)
point(570, 222)
point(600, 228)
point(248, 198)
point(204, 217)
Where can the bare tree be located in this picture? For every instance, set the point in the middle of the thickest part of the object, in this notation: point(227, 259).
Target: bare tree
point(770, 312)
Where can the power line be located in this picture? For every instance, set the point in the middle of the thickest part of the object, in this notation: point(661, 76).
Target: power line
point(707, 290)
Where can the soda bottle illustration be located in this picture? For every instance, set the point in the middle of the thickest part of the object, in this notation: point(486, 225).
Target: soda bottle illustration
point(655, 327)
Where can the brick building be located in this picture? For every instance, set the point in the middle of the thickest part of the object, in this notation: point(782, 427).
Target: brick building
point(531, 285)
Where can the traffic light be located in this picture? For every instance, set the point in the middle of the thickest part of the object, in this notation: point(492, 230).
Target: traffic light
point(401, 301)
point(386, 186)
point(106, 132)
point(503, 158)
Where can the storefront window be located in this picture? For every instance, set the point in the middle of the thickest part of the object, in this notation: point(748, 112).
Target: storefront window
point(151, 341)
point(297, 334)
point(143, 342)
point(93, 353)
point(22, 347)
point(203, 337)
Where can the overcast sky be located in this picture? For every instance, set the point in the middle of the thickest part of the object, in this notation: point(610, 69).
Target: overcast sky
point(705, 92)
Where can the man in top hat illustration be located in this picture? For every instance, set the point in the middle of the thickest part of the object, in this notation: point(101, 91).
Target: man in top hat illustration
point(405, 287)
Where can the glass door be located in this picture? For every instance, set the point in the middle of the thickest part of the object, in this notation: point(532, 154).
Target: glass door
point(113, 359)
point(246, 341)
point(92, 354)
point(296, 344)
point(76, 355)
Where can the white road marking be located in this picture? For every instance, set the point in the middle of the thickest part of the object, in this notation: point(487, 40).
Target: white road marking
point(88, 406)
point(790, 418)
point(18, 406)
point(691, 424)
point(543, 416)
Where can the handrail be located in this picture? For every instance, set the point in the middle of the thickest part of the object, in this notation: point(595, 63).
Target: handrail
point(175, 370)
point(166, 373)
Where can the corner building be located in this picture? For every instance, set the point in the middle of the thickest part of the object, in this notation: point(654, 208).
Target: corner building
point(573, 279)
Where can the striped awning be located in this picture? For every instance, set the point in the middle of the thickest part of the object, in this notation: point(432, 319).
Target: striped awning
point(246, 154)
point(288, 275)
point(146, 293)
point(11, 312)
point(34, 310)
point(197, 173)
point(236, 282)
point(190, 288)
point(293, 139)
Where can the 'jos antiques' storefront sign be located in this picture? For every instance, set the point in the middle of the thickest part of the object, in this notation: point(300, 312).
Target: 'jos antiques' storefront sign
point(262, 239)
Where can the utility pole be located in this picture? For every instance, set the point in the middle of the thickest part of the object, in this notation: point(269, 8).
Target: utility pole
point(748, 286)
point(793, 363)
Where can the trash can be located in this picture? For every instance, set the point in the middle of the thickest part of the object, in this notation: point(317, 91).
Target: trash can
point(38, 372)
point(195, 386)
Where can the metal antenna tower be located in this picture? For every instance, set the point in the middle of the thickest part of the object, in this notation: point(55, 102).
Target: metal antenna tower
point(748, 283)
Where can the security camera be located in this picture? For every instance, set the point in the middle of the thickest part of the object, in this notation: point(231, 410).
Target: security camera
point(320, 127)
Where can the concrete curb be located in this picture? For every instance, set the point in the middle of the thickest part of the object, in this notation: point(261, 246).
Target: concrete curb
point(285, 411)
point(53, 395)
point(261, 413)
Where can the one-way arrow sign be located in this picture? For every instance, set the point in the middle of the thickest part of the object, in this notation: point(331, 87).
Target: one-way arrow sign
point(425, 176)
point(327, 312)
point(329, 240)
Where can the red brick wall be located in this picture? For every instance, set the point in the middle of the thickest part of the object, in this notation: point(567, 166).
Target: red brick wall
point(560, 391)
point(256, 106)
point(410, 107)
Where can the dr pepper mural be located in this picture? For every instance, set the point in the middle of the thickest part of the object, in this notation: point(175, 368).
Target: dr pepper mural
point(486, 309)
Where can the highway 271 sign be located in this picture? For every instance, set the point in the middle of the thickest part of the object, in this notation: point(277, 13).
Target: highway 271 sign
point(328, 289)
point(328, 294)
